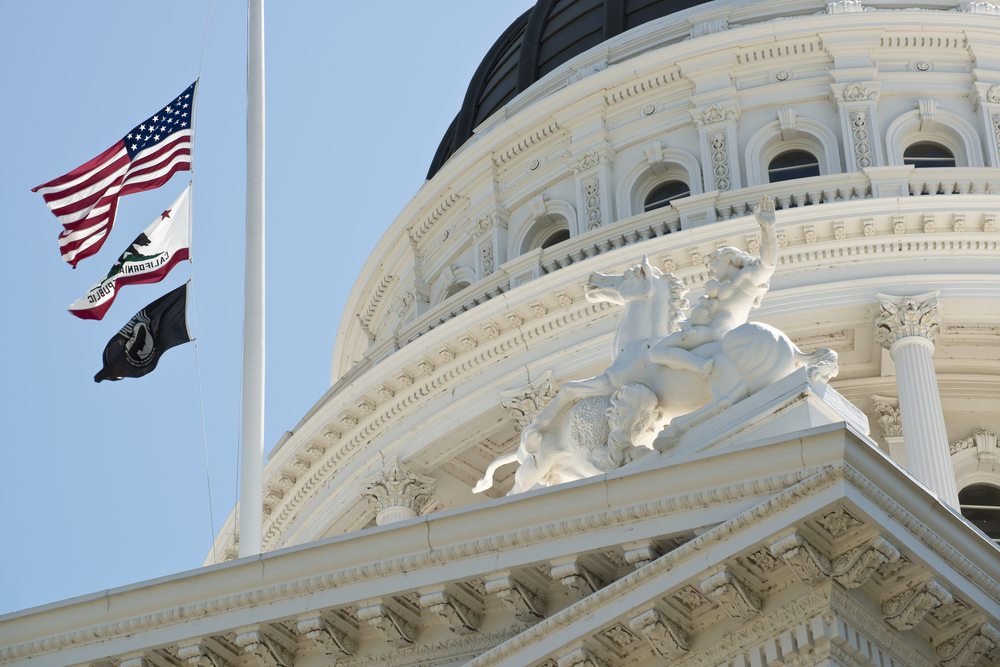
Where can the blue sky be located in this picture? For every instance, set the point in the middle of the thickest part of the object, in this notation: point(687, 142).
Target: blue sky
point(105, 484)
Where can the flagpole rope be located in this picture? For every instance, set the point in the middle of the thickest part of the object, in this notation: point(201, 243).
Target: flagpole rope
point(204, 442)
point(204, 37)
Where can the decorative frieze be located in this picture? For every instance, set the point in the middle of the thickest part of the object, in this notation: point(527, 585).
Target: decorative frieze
point(983, 441)
point(905, 610)
point(732, 595)
point(854, 568)
point(666, 638)
point(398, 493)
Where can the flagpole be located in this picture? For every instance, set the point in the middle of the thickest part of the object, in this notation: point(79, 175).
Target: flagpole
point(252, 446)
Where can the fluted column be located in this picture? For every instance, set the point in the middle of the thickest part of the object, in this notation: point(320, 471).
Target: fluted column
point(907, 327)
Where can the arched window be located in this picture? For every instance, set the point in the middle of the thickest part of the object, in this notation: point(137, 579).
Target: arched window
point(555, 237)
point(925, 154)
point(792, 164)
point(980, 504)
point(664, 193)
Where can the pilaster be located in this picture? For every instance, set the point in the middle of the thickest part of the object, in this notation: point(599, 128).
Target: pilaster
point(594, 191)
point(986, 100)
point(891, 424)
point(859, 123)
point(717, 125)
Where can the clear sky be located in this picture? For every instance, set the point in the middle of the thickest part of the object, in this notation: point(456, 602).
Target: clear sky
point(105, 484)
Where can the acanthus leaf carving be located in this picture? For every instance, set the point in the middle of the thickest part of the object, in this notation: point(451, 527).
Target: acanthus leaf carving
point(524, 403)
point(809, 565)
point(527, 605)
point(572, 574)
point(667, 639)
point(901, 317)
point(398, 493)
point(852, 569)
point(333, 640)
point(967, 647)
point(391, 625)
point(889, 419)
point(264, 649)
point(732, 595)
point(459, 618)
point(905, 610)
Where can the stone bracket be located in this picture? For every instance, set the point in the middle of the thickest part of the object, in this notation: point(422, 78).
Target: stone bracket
point(852, 569)
point(967, 647)
point(640, 553)
point(735, 598)
point(332, 639)
point(265, 649)
point(396, 631)
point(575, 576)
point(668, 639)
point(807, 563)
point(201, 654)
point(460, 618)
point(905, 610)
point(527, 605)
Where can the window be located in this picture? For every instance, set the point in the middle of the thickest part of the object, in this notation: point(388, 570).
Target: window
point(792, 164)
point(925, 154)
point(664, 193)
point(980, 504)
point(555, 237)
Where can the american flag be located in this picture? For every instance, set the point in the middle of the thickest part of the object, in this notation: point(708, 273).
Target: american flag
point(85, 200)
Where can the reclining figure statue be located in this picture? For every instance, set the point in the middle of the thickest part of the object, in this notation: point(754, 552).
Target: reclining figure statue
point(669, 371)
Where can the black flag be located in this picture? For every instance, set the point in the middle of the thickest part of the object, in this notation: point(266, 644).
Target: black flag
point(136, 349)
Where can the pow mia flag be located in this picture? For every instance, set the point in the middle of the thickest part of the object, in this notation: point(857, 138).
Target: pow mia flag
point(136, 349)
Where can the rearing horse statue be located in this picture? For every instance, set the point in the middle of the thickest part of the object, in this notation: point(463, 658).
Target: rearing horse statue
point(662, 381)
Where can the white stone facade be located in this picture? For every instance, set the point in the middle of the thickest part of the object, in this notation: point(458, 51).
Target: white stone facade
point(798, 540)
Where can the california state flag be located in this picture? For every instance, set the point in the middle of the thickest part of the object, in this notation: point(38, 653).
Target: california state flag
point(148, 260)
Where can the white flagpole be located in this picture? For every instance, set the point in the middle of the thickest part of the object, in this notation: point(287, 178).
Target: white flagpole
point(252, 446)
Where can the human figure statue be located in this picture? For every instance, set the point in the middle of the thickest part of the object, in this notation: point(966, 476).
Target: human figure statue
point(737, 283)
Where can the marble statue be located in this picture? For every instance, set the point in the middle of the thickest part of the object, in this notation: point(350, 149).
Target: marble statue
point(670, 369)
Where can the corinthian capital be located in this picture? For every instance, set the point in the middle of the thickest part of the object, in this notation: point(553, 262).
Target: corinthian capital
point(902, 317)
point(399, 493)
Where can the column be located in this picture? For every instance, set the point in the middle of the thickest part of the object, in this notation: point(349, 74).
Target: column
point(907, 327)
point(398, 493)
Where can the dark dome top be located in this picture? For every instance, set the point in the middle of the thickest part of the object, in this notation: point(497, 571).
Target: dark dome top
point(538, 41)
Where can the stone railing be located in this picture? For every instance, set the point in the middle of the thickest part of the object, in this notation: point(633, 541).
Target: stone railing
point(873, 183)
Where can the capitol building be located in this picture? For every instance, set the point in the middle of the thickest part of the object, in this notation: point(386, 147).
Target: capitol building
point(840, 507)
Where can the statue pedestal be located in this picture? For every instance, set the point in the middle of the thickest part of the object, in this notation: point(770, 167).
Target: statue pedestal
point(789, 405)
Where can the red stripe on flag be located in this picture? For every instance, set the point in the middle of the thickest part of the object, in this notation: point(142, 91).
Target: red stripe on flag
point(155, 276)
point(83, 168)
